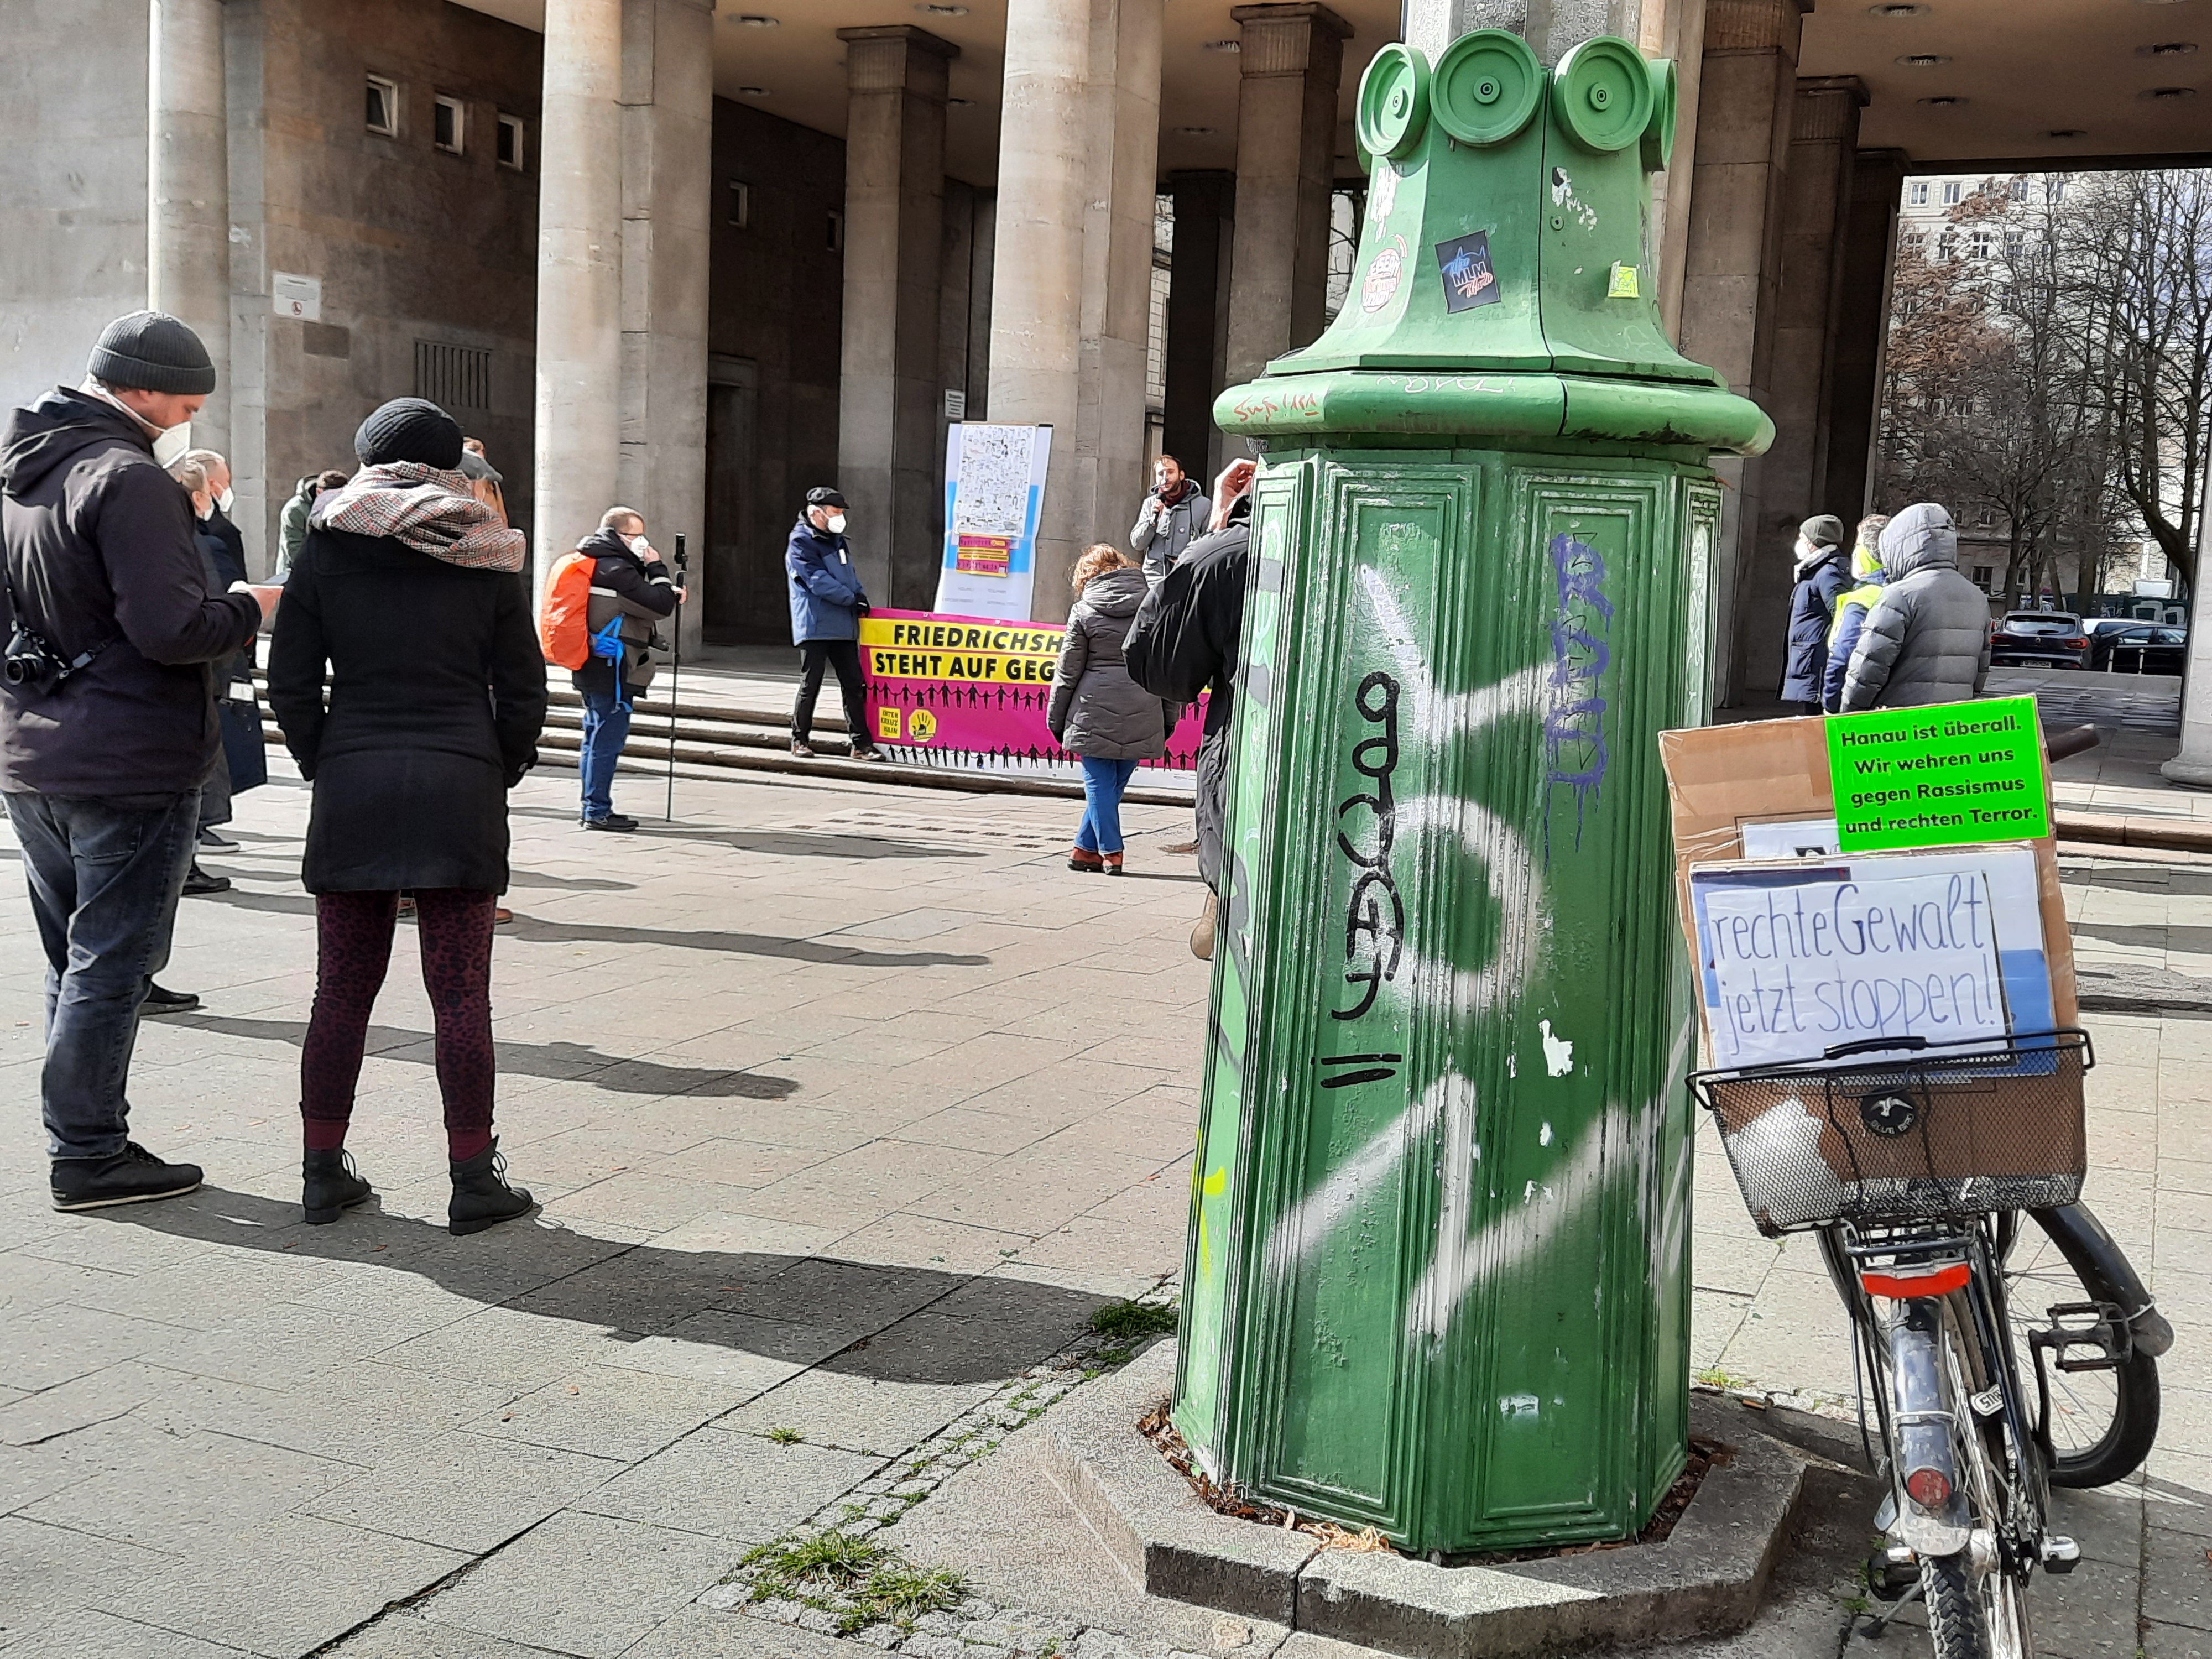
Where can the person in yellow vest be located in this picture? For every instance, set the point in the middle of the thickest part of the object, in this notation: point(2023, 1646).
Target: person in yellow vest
point(1851, 607)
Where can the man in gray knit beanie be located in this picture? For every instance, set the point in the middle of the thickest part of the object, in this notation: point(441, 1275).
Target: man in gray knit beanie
point(107, 722)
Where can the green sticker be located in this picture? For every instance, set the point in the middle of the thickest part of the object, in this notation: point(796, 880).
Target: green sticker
point(1938, 775)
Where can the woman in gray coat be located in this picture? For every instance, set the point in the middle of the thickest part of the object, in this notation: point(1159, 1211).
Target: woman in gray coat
point(1097, 711)
point(1927, 640)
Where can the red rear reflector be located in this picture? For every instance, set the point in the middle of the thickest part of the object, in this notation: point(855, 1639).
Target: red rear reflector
point(1939, 1282)
point(1929, 1488)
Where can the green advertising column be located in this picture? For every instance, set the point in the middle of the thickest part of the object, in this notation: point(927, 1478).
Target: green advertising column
point(1437, 1274)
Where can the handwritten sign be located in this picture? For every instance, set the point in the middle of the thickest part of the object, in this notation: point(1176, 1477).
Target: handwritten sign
point(1938, 775)
point(1795, 962)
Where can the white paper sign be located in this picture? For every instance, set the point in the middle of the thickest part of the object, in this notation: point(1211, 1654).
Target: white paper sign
point(1795, 962)
point(1789, 838)
point(291, 294)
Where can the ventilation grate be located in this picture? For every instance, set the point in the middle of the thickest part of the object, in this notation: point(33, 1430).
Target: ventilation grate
point(453, 376)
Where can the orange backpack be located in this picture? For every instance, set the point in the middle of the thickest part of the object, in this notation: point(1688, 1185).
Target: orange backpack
point(564, 630)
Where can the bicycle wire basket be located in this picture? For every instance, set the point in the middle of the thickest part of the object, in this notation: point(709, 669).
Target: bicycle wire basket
point(1893, 1130)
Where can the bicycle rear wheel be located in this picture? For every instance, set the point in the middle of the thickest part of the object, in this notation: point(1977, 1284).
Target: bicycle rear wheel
point(2101, 1422)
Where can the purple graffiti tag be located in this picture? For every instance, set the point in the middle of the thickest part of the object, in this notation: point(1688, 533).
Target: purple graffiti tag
point(1574, 716)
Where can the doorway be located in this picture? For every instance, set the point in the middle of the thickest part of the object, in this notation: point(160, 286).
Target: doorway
point(744, 587)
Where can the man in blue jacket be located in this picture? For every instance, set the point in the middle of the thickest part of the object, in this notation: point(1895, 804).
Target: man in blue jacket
point(827, 604)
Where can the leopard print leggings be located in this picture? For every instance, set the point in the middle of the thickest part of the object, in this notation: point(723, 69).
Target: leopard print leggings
point(353, 938)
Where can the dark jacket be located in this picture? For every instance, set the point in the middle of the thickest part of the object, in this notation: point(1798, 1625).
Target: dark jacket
point(437, 696)
point(1186, 632)
point(625, 585)
point(99, 550)
point(222, 553)
point(1927, 639)
point(1811, 611)
point(826, 595)
point(1096, 709)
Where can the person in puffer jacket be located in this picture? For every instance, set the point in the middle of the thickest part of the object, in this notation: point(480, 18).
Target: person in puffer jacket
point(1927, 640)
point(1097, 711)
point(1851, 607)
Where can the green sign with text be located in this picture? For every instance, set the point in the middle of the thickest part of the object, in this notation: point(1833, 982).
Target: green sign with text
point(1937, 774)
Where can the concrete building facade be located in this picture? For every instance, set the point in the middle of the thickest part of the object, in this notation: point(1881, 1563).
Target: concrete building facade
point(698, 255)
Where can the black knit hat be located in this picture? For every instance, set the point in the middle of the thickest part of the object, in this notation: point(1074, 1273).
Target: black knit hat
point(410, 430)
point(152, 351)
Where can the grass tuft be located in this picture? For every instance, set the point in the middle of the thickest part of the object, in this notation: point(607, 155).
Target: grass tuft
point(786, 1436)
point(1127, 1322)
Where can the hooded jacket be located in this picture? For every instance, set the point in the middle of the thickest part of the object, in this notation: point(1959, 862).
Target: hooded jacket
point(101, 554)
point(1097, 709)
point(1820, 578)
point(1927, 639)
point(292, 526)
point(826, 595)
point(625, 585)
point(1851, 607)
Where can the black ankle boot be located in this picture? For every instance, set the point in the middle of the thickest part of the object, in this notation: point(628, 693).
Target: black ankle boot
point(328, 1184)
point(482, 1197)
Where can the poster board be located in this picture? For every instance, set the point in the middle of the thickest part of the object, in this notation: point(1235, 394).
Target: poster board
point(971, 693)
point(1799, 956)
point(1764, 788)
point(994, 479)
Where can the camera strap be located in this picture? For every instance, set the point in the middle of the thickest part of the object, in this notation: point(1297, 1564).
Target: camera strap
point(21, 623)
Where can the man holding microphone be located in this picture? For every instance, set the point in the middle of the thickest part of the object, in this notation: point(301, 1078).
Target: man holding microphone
point(1173, 516)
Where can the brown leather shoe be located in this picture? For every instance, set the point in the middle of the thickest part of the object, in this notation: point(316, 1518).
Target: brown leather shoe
point(1113, 864)
point(1084, 862)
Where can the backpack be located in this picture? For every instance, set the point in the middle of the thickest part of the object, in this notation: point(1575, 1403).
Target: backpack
point(564, 632)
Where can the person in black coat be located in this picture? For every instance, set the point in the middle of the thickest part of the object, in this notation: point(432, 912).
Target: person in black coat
point(410, 591)
point(1184, 641)
point(1823, 573)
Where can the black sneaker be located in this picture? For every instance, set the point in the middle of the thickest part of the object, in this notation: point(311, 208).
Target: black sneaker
point(199, 884)
point(133, 1175)
point(614, 821)
point(211, 837)
point(160, 1001)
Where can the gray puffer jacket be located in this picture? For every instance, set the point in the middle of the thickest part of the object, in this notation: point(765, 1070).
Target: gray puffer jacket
point(1927, 640)
point(1096, 709)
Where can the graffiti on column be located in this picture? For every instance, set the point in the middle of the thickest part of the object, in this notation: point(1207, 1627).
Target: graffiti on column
point(1374, 936)
point(1574, 716)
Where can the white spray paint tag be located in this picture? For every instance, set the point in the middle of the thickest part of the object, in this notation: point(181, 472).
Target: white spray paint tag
point(1558, 1054)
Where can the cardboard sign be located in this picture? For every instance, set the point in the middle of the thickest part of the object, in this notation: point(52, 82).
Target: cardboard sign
point(1796, 961)
point(1939, 775)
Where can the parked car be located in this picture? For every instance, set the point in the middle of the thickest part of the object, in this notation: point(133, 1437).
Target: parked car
point(2139, 648)
point(2038, 639)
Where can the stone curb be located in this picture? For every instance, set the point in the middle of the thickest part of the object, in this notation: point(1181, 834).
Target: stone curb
point(2098, 828)
point(1706, 1579)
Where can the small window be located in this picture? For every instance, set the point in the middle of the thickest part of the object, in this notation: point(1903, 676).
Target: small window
point(741, 203)
point(1916, 192)
point(1983, 574)
point(2020, 188)
point(383, 107)
point(1947, 244)
point(1982, 242)
point(510, 142)
point(835, 242)
point(447, 120)
point(1951, 188)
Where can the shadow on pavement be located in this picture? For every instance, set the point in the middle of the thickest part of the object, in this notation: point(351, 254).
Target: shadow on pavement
point(585, 933)
point(889, 1324)
point(814, 843)
point(566, 1062)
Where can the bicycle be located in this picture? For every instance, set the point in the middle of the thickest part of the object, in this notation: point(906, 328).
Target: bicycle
point(1915, 1172)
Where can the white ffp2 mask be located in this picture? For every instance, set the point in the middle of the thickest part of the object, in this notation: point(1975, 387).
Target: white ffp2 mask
point(836, 524)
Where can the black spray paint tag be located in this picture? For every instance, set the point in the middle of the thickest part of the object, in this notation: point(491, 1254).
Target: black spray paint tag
point(1469, 279)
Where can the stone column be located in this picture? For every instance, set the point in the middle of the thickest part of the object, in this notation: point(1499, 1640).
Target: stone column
point(188, 190)
point(1814, 212)
point(2193, 765)
point(1733, 257)
point(1861, 330)
point(889, 458)
point(577, 461)
point(1198, 295)
point(667, 119)
point(1071, 260)
point(1286, 98)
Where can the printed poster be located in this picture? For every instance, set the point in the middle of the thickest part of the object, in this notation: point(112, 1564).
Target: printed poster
point(972, 692)
point(994, 480)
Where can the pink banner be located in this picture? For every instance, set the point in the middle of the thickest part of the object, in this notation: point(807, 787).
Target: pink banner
point(966, 692)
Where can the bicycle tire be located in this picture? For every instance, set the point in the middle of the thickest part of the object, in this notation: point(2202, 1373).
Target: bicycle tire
point(1957, 1627)
point(2119, 1451)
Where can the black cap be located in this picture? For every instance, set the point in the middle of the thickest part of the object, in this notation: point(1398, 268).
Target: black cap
point(410, 430)
point(823, 496)
point(152, 351)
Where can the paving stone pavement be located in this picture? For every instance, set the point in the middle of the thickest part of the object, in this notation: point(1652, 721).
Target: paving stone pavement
point(847, 1104)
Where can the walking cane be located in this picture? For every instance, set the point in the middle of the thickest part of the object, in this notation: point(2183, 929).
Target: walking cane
point(676, 668)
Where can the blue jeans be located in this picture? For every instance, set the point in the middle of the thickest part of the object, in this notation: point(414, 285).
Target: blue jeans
point(1104, 780)
point(606, 729)
point(105, 876)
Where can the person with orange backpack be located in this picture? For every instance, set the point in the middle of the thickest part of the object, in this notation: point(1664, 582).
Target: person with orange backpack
point(596, 621)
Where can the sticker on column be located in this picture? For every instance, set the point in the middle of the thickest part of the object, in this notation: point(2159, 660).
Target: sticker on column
point(1622, 285)
point(1382, 194)
point(1469, 281)
point(1384, 276)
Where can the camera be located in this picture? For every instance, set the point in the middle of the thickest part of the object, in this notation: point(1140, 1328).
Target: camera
point(31, 661)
